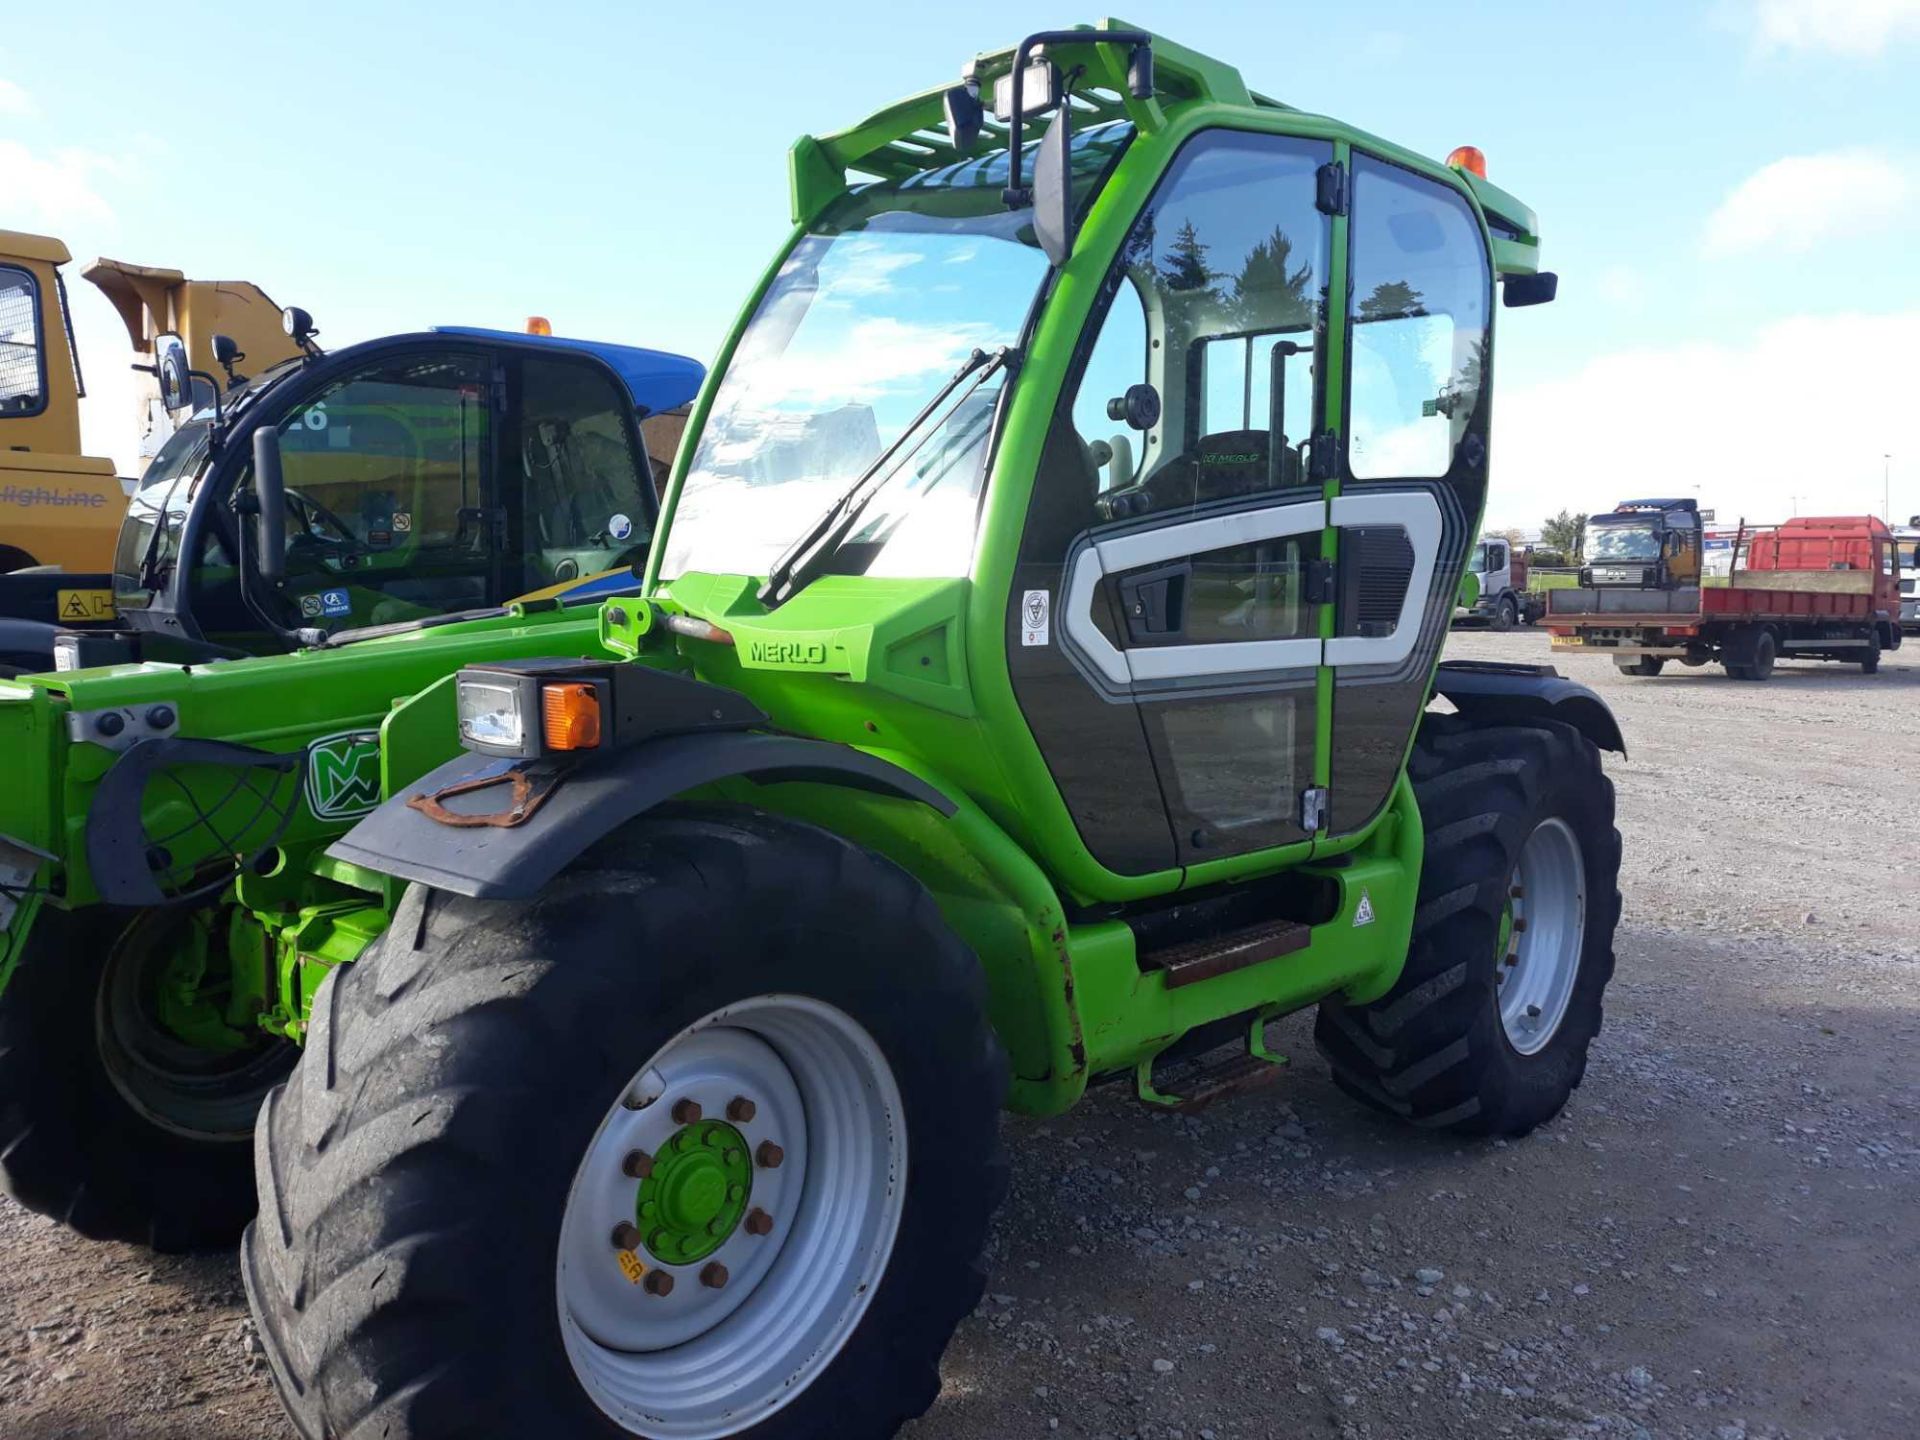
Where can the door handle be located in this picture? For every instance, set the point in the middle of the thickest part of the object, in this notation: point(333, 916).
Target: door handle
point(1155, 601)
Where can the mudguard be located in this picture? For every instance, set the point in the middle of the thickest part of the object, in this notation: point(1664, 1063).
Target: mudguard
point(26, 643)
point(492, 861)
point(1490, 690)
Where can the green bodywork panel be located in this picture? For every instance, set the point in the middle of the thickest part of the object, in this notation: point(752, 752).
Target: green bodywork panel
point(913, 671)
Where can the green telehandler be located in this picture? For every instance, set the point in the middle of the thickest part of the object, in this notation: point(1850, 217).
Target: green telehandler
point(1035, 682)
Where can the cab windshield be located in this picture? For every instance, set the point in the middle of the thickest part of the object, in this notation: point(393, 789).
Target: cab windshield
point(1623, 542)
point(166, 490)
point(872, 310)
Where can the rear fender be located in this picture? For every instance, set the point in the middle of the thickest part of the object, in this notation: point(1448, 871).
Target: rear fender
point(1489, 691)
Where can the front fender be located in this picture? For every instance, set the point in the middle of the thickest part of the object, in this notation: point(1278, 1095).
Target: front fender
point(501, 862)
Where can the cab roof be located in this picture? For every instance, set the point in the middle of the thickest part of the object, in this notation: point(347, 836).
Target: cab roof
point(912, 134)
point(657, 379)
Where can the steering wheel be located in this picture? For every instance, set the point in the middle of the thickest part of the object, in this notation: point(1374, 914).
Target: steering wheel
point(313, 516)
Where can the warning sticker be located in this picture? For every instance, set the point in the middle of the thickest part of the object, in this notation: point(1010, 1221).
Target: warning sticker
point(1034, 607)
point(80, 606)
point(402, 522)
point(632, 1266)
point(1363, 913)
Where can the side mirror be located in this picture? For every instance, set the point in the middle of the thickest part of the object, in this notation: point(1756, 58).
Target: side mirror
point(174, 372)
point(270, 500)
point(1518, 290)
point(1053, 190)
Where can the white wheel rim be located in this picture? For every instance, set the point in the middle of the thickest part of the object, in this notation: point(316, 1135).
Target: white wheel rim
point(702, 1363)
point(1542, 961)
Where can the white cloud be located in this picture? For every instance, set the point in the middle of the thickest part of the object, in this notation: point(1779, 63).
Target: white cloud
point(1795, 203)
point(55, 190)
point(1805, 409)
point(14, 100)
point(1860, 28)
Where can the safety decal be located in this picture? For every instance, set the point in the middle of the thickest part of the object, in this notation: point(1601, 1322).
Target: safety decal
point(1034, 608)
point(80, 606)
point(1363, 913)
point(632, 1266)
point(619, 526)
point(402, 522)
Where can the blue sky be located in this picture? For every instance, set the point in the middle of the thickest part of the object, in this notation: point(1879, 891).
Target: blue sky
point(1728, 188)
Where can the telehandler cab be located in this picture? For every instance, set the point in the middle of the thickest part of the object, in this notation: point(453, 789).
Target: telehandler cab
point(1034, 682)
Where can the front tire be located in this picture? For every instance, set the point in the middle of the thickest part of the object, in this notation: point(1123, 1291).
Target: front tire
point(1640, 664)
point(1505, 615)
point(108, 1123)
point(450, 1239)
point(1519, 897)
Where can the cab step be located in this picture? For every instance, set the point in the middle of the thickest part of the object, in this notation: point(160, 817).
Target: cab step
point(1191, 961)
point(1201, 1082)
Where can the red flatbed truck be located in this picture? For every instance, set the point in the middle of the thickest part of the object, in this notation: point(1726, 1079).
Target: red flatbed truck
point(1813, 588)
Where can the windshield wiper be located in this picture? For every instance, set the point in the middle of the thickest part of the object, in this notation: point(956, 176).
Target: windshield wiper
point(804, 559)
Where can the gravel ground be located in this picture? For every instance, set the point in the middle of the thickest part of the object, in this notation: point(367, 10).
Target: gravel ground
point(1719, 1238)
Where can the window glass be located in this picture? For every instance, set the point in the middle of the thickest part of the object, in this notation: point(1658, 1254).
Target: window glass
point(387, 513)
point(1118, 361)
point(586, 500)
point(869, 316)
point(1228, 266)
point(1419, 324)
point(21, 392)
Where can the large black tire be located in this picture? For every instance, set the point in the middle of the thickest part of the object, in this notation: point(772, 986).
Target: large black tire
point(414, 1169)
point(1433, 1050)
point(1640, 664)
point(1751, 656)
point(1506, 614)
point(74, 1146)
point(1870, 662)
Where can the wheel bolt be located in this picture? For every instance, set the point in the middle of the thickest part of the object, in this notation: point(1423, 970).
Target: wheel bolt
point(1519, 924)
point(638, 1165)
point(658, 1282)
point(714, 1276)
point(686, 1112)
point(626, 1236)
point(740, 1110)
point(1518, 892)
point(759, 1222)
point(1533, 1012)
point(769, 1155)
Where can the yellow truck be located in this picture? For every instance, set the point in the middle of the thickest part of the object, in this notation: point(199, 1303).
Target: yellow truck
point(60, 509)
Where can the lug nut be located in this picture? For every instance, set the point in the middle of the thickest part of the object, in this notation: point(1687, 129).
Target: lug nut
point(1518, 892)
point(626, 1236)
point(658, 1282)
point(638, 1165)
point(740, 1110)
point(759, 1222)
point(1519, 924)
point(686, 1112)
point(769, 1155)
point(714, 1276)
point(1533, 1012)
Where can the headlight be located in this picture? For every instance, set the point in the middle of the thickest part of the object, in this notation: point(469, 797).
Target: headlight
point(491, 717)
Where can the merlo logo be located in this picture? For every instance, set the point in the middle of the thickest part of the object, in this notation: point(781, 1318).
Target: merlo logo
point(343, 775)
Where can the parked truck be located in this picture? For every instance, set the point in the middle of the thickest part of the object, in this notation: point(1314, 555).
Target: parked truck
point(424, 474)
point(1813, 588)
point(60, 510)
point(1906, 539)
point(1499, 573)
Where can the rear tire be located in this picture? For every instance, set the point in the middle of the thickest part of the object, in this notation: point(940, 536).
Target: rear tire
point(1436, 1048)
point(417, 1266)
point(1751, 657)
point(1870, 662)
point(1640, 664)
point(107, 1124)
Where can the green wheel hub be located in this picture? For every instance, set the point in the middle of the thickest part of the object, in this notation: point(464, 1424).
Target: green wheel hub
point(697, 1193)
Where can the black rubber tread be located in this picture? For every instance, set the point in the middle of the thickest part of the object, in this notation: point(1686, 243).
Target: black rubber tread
point(71, 1147)
point(414, 1169)
point(1432, 1049)
point(1870, 662)
point(1640, 664)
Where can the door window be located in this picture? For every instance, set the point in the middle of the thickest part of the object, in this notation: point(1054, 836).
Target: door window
point(388, 513)
point(587, 497)
point(22, 388)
